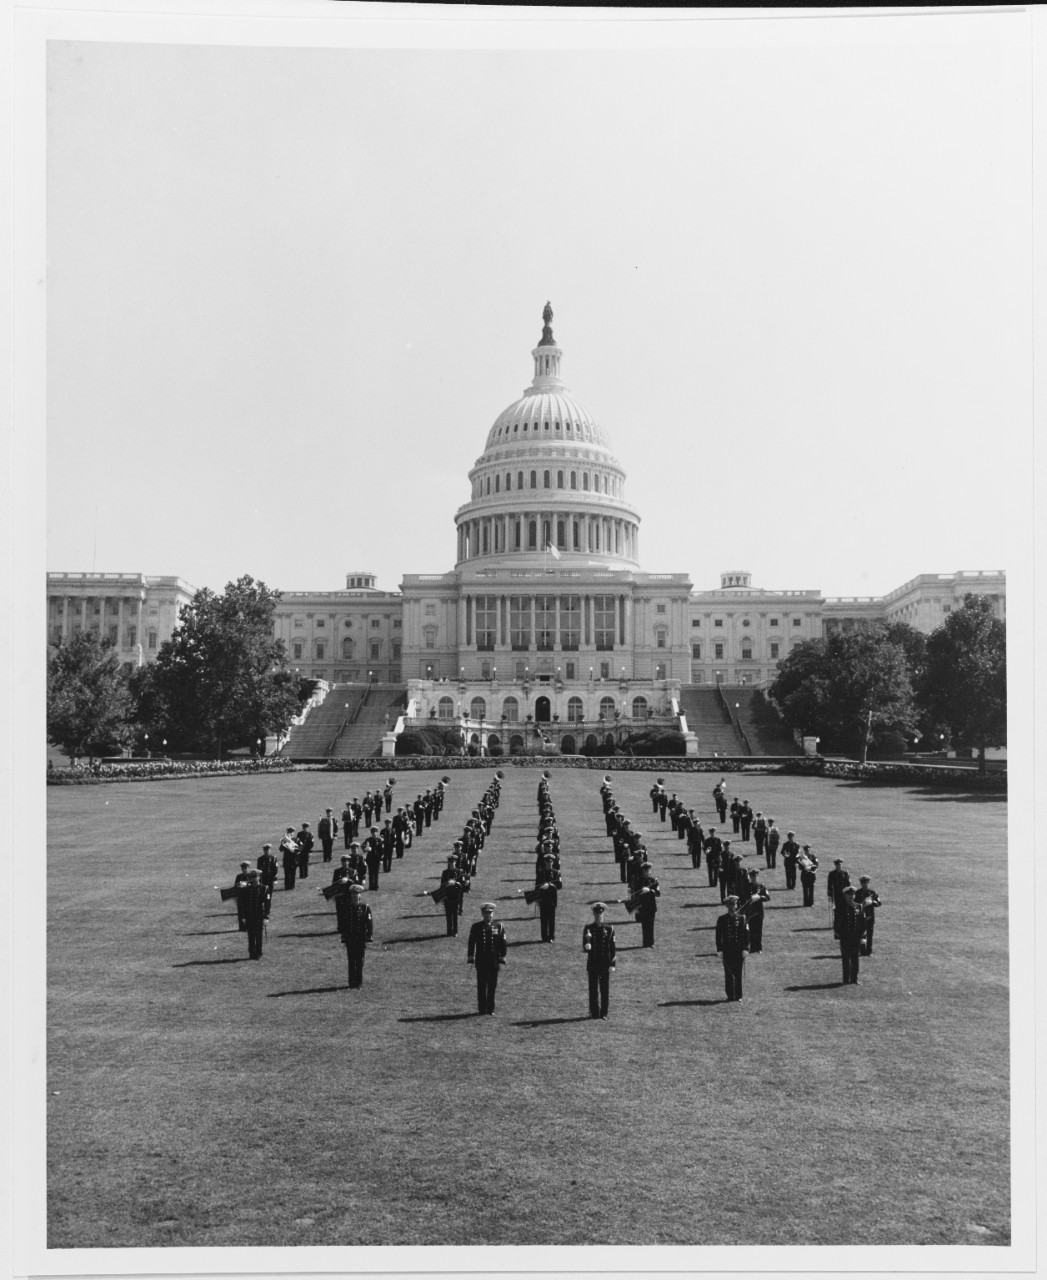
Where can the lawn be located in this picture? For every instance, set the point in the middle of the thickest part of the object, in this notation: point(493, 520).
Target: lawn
point(198, 1098)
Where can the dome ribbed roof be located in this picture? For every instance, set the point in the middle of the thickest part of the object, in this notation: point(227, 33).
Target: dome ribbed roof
point(546, 417)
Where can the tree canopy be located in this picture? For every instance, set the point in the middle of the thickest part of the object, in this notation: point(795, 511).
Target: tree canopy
point(221, 681)
point(89, 703)
point(964, 683)
point(847, 688)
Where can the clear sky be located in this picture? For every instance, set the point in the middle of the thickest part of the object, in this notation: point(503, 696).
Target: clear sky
point(289, 290)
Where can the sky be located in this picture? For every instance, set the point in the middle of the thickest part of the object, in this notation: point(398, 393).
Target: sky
point(290, 289)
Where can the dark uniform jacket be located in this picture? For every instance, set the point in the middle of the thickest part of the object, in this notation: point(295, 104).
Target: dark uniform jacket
point(267, 867)
point(851, 924)
point(487, 944)
point(790, 851)
point(327, 828)
point(755, 896)
point(835, 882)
point(250, 899)
point(732, 935)
point(355, 922)
point(600, 940)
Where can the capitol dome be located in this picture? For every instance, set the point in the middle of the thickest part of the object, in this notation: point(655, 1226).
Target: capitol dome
point(547, 479)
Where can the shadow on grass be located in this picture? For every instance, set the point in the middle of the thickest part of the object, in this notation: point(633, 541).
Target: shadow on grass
point(835, 956)
point(306, 991)
point(964, 797)
point(209, 933)
point(677, 1004)
point(552, 1022)
point(704, 928)
point(419, 937)
point(439, 1017)
point(814, 928)
point(525, 942)
point(700, 906)
point(639, 947)
point(817, 986)
point(185, 964)
point(310, 915)
point(327, 933)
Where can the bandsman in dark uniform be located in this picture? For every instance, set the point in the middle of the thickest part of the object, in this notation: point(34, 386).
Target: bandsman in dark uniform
point(342, 871)
point(695, 839)
point(250, 898)
point(790, 852)
point(357, 862)
point(598, 945)
point(725, 869)
point(647, 905)
point(736, 815)
point(773, 840)
point(752, 908)
point(835, 883)
point(418, 809)
point(367, 808)
point(388, 838)
point(672, 805)
point(732, 942)
point(850, 926)
point(305, 847)
point(808, 868)
point(327, 829)
point(347, 824)
point(239, 880)
point(372, 860)
point(720, 800)
point(746, 818)
point(663, 802)
point(548, 884)
point(868, 899)
point(655, 794)
point(760, 833)
point(267, 870)
point(451, 877)
point(486, 950)
point(289, 857)
point(387, 792)
point(356, 926)
point(713, 851)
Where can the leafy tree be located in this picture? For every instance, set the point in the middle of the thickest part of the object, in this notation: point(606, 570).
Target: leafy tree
point(221, 681)
point(964, 683)
point(89, 704)
point(848, 688)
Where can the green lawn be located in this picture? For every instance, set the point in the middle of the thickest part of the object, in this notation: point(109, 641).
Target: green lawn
point(197, 1098)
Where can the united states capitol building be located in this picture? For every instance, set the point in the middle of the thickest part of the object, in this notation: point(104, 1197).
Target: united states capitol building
point(547, 617)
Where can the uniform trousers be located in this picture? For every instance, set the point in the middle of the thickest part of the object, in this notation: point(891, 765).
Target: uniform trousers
point(733, 965)
point(486, 982)
point(355, 952)
point(451, 912)
point(790, 873)
point(808, 891)
point(289, 877)
point(255, 927)
point(547, 914)
point(849, 954)
point(755, 934)
point(599, 990)
point(328, 844)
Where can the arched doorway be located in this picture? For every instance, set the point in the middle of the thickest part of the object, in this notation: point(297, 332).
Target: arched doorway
point(542, 711)
point(567, 744)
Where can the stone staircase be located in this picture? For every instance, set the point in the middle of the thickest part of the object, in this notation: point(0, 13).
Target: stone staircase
point(701, 706)
point(767, 735)
point(313, 737)
point(378, 714)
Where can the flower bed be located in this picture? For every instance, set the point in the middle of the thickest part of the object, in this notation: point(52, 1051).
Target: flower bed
point(151, 770)
point(887, 773)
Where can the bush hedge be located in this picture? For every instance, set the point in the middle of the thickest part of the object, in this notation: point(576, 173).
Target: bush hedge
point(151, 770)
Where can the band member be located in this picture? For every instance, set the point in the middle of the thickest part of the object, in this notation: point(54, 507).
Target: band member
point(647, 907)
point(357, 862)
point(663, 802)
point(756, 896)
point(736, 815)
point(835, 883)
point(452, 902)
point(347, 824)
point(356, 926)
point(342, 871)
point(289, 857)
point(673, 806)
point(327, 829)
point(655, 793)
point(250, 898)
point(760, 832)
point(267, 869)
point(305, 847)
point(241, 879)
point(388, 838)
point(598, 944)
point(868, 899)
point(549, 883)
point(418, 809)
point(372, 860)
point(695, 839)
point(367, 808)
point(773, 840)
point(732, 942)
point(713, 850)
point(725, 869)
point(487, 948)
point(790, 852)
point(850, 926)
point(808, 867)
point(387, 792)
point(720, 800)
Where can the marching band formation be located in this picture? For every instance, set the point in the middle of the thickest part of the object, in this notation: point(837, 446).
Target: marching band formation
point(739, 931)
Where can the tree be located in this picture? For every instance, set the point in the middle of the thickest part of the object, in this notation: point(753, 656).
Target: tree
point(847, 688)
point(964, 683)
point(221, 681)
point(89, 704)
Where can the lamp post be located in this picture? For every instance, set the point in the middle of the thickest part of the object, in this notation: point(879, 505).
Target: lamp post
point(717, 677)
point(370, 677)
point(258, 746)
point(147, 746)
point(165, 747)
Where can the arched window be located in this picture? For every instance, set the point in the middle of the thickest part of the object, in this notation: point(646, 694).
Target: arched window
point(508, 481)
point(574, 710)
point(534, 479)
point(545, 480)
point(511, 710)
point(640, 708)
point(347, 647)
point(445, 709)
point(607, 708)
point(559, 479)
point(488, 484)
point(532, 535)
point(585, 479)
point(519, 479)
point(478, 708)
point(567, 744)
point(574, 479)
point(497, 483)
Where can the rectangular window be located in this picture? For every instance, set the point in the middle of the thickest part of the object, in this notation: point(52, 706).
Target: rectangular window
point(605, 671)
point(696, 622)
point(659, 671)
point(603, 622)
point(570, 624)
point(485, 670)
point(544, 622)
point(659, 608)
point(298, 624)
point(569, 670)
point(397, 624)
point(132, 635)
point(321, 623)
point(718, 622)
point(297, 651)
point(747, 653)
point(112, 635)
point(486, 621)
point(396, 650)
point(376, 650)
point(152, 637)
point(774, 622)
point(520, 622)
point(521, 670)
point(774, 649)
point(796, 622)
point(718, 652)
point(659, 640)
point(375, 624)
point(696, 652)
point(319, 651)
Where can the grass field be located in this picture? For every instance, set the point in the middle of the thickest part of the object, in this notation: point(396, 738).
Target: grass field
point(198, 1098)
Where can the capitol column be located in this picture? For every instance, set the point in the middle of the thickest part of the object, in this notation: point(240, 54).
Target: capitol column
point(557, 641)
point(628, 639)
point(461, 621)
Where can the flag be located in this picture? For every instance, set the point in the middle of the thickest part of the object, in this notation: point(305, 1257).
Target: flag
point(552, 551)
